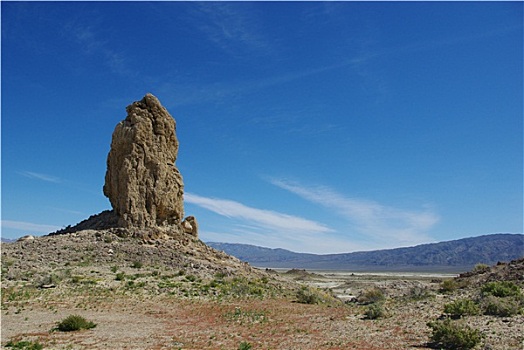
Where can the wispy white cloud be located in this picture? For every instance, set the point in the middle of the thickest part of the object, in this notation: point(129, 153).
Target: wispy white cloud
point(262, 218)
point(386, 225)
point(190, 92)
point(91, 42)
point(370, 225)
point(268, 228)
point(29, 226)
point(40, 176)
point(230, 27)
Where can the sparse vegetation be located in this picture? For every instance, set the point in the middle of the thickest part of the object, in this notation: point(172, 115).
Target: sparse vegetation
point(374, 311)
point(502, 307)
point(447, 334)
point(448, 286)
point(307, 295)
point(462, 307)
point(248, 316)
point(225, 307)
point(501, 289)
point(24, 345)
point(243, 287)
point(481, 268)
point(372, 295)
point(245, 346)
point(137, 265)
point(419, 293)
point(74, 323)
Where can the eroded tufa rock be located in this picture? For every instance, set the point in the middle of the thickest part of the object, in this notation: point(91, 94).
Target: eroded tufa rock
point(190, 226)
point(142, 181)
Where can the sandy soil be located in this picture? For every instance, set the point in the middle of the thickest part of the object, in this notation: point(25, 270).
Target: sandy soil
point(142, 321)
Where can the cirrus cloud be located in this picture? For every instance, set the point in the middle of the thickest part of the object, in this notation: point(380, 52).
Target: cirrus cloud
point(380, 223)
point(260, 218)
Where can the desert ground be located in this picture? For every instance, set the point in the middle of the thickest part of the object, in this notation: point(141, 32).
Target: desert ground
point(150, 305)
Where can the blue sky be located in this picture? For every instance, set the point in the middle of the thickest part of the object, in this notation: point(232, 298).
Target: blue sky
point(320, 127)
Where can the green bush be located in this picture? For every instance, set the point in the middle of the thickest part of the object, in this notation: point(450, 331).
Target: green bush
point(503, 307)
point(450, 335)
point(137, 265)
point(371, 296)
point(191, 278)
point(74, 323)
point(308, 296)
point(501, 289)
point(24, 345)
point(375, 311)
point(463, 307)
point(245, 346)
point(448, 286)
point(120, 276)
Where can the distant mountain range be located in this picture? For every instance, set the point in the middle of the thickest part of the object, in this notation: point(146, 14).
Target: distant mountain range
point(452, 256)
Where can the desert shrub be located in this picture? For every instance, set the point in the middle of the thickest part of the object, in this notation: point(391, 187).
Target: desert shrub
point(215, 283)
point(448, 286)
point(418, 293)
point(450, 335)
point(375, 311)
point(372, 295)
point(503, 307)
point(245, 346)
point(462, 307)
point(191, 278)
point(135, 285)
point(74, 323)
point(120, 276)
point(137, 265)
point(114, 269)
point(24, 345)
point(77, 279)
point(242, 287)
point(308, 296)
point(501, 289)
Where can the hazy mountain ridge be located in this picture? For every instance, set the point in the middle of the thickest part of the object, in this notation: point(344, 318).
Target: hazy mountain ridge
point(456, 255)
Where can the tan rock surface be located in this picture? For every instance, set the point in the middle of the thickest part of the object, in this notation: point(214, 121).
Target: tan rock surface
point(142, 181)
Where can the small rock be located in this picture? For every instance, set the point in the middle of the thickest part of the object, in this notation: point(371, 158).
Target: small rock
point(26, 238)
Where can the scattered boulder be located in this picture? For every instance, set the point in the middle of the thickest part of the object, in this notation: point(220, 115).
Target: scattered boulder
point(190, 226)
point(142, 182)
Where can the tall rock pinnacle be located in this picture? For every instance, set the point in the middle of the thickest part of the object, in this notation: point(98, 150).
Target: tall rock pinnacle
point(142, 181)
